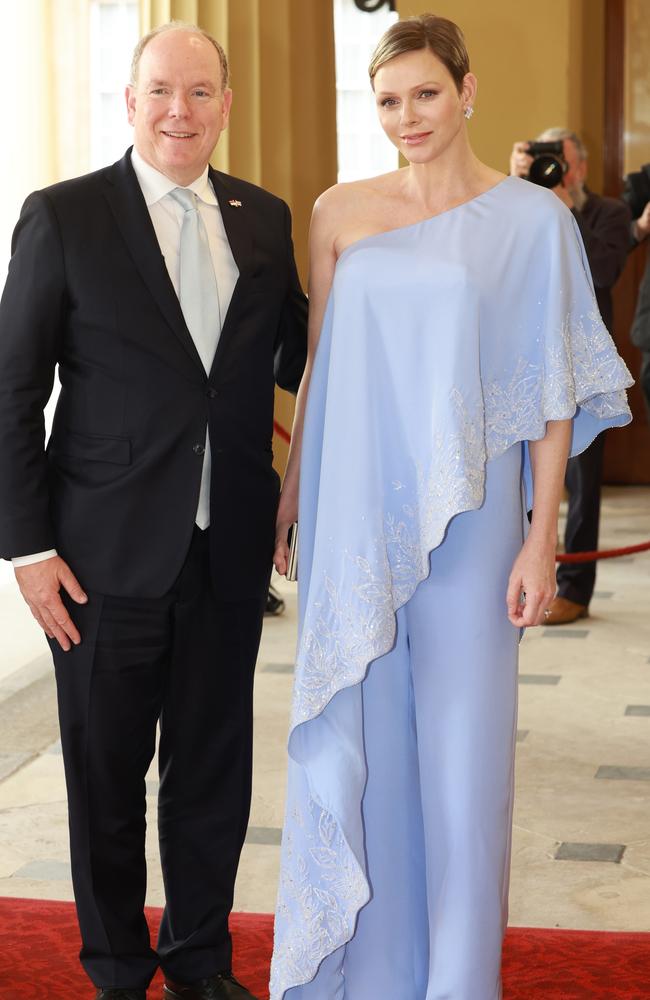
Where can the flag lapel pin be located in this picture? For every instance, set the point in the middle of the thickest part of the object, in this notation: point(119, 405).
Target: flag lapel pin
point(234, 202)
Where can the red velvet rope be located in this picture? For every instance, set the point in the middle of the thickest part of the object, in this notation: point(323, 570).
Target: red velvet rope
point(580, 557)
point(280, 431)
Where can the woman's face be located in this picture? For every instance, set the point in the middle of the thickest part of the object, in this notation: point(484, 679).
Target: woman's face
point(419, 106)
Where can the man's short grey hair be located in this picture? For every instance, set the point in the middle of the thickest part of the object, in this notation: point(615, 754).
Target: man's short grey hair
point(554, 134)
point(178, 26)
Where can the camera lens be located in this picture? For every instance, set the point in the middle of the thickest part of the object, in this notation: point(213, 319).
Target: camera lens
point(547, 171)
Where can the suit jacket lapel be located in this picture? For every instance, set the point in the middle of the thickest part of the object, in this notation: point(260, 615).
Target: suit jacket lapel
point(234, 215)
point(134, 222)
point(238, 230)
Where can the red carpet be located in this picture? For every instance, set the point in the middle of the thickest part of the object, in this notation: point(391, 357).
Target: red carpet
point(40, 942)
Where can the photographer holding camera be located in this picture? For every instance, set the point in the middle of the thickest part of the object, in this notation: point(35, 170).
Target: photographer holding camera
point(637, 197)
point(557, 159)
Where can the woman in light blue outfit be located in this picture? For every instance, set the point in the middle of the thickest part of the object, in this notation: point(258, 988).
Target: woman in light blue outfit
point(456, 357)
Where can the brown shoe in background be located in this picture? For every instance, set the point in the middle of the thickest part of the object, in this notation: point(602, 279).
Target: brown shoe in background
point(562, 611)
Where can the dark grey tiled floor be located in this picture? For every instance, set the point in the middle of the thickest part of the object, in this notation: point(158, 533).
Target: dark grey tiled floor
point(278, 668)
point(561, 632)
point(603, 595)
point(637, 710)
point(589, 852)
point(539, 679)
point(619, 773)
point(263, 835)
point(522, 734)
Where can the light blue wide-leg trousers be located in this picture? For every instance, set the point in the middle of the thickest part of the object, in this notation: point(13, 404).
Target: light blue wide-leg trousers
point(439, 716)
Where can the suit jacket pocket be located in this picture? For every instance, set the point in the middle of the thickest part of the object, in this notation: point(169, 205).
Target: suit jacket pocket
point(92, 447)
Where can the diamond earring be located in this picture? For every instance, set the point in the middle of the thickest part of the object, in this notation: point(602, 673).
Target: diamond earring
point(469, 111)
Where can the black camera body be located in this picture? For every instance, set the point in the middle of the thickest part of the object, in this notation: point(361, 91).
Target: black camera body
point(548, 166)
point(636, 193)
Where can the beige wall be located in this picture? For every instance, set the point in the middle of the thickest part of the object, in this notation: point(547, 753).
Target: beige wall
point(538, 65)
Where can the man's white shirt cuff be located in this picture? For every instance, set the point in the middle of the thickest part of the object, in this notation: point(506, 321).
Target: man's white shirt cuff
point(34, 558)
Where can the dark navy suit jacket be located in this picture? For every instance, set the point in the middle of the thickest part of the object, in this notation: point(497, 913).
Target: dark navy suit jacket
point(116, 490)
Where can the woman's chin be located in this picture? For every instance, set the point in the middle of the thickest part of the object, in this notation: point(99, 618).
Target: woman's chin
point(418, 154)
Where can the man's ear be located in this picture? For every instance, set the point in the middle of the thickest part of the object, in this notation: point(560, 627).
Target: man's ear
point(129, 96)
point(227, 104)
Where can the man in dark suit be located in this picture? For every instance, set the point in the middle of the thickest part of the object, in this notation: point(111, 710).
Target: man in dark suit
point(142, 536)
point(640, 330)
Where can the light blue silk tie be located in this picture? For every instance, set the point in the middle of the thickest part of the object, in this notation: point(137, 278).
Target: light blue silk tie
point(199, 299)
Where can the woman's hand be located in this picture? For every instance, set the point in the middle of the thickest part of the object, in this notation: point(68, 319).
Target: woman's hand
point(287, 514)
point(533, 575)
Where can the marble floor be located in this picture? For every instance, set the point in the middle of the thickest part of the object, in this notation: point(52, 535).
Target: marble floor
point(581, 848)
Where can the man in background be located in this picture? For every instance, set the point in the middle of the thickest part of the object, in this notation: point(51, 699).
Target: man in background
point(142, 538)
point(640, 331)
point(604, 224)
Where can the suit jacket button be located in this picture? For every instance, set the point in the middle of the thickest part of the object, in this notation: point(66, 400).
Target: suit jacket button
point(198, 449)
point(211, 393)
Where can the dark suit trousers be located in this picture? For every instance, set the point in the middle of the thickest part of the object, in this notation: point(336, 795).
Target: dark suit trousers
point(186, 660)
point(583, 480)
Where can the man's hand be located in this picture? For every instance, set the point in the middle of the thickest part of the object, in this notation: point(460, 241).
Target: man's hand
point(520, 160)
point(40, 584)
point(642, 224)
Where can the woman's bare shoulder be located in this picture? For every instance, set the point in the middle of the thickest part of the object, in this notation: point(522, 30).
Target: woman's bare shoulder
point(341, 196)
point(343, 207)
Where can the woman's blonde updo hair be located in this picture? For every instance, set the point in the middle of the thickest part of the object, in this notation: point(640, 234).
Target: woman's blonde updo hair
point(428, 31)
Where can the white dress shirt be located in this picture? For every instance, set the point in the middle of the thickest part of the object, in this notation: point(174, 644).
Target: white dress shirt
point(167, 218)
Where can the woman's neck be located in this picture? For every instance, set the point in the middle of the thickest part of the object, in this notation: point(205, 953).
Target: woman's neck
point(451, 178)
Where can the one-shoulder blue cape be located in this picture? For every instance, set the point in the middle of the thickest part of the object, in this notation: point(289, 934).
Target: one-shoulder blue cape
point(443, 344)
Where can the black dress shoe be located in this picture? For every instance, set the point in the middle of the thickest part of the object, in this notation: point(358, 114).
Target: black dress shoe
point(222, 986)
point(274, 603)
point(116, 993)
